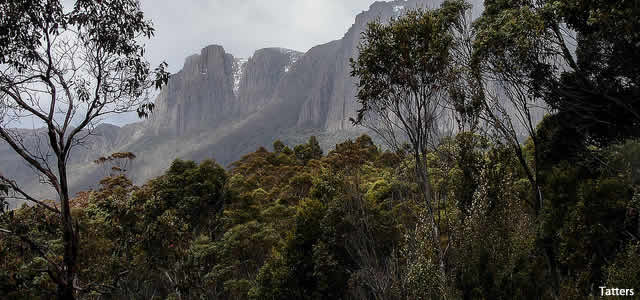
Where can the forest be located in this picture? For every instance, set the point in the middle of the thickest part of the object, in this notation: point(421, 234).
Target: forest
point(468, 195)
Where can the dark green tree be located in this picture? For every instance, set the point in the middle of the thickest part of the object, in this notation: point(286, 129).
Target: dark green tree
point(310, 150)
point(278, 146)
point(578, 56)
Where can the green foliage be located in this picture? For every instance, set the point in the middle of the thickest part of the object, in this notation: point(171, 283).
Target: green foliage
point(278, 146)
point(624, 269)
point(410, 56)
point(35, 230)
point(348, 225)
point(308, 151)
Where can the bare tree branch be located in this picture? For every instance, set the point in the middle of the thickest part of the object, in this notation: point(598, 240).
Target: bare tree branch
point(14, 186)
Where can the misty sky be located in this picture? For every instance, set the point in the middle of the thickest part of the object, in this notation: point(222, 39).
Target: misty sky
point(243, 26)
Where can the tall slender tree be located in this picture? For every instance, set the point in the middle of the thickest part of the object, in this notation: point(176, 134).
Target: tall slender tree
point(404, 81)
point(67, 68)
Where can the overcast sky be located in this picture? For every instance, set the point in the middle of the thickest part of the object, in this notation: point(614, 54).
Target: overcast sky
point(243, 26)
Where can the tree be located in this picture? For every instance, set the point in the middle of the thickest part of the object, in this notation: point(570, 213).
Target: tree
point(578, 57)
point(310, 150)
point(404, 80)
point(511, 50)
point(278, 146)
point(68, 68)
point(599, 93)
point(116, 163)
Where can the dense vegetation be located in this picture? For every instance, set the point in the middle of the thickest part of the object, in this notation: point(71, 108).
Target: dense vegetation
point(485, 210)
point(294, 224)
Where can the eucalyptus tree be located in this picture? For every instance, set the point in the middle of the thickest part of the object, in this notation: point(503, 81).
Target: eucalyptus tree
point(576, 57)
point(405, 75)
point(67, 68)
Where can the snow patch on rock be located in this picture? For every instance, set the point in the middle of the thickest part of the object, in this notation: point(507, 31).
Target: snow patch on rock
point(238, 71)
point(294, 56)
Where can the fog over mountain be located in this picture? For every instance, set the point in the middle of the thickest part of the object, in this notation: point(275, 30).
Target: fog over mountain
point(223, 106)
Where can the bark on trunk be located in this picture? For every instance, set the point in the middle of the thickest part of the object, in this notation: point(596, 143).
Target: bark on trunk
point(65, 292)
point(426, 190)
point(69, 239)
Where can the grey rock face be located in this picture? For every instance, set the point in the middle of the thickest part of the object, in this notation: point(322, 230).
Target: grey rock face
point(201, 93)
point(261, 76)
point(215, 87)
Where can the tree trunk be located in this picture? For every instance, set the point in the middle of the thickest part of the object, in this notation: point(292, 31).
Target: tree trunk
point(65, 291)
point(555, 278)
point(69, 238)
point(421, 169)
point(441, 260)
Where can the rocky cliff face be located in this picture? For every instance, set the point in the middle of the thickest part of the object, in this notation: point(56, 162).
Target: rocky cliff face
point(332, 101)
point(199, 96)
point(221, 107)
point(214, 87)
point(261, 76)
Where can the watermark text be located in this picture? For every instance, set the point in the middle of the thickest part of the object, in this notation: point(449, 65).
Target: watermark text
point(606, 291)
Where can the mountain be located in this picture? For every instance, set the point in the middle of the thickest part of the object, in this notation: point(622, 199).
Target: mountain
point(222, 107)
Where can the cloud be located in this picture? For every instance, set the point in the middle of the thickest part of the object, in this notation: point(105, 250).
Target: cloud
point(243, 26)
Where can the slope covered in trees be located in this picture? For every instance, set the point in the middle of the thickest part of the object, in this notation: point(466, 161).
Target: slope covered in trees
point(297, 224)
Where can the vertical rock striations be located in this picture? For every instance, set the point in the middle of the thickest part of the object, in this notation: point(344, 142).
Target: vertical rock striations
point(214, 87)
point(261, 76)
point(198, 97)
